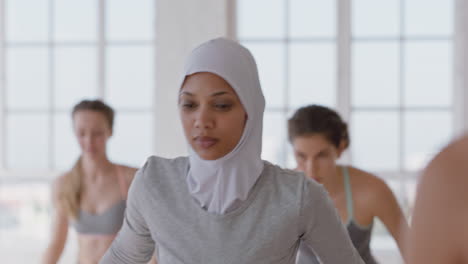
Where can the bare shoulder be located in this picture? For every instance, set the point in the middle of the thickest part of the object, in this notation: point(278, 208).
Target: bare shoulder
point(450, 165)
point(369, 188)
point(366, 182)
point(448, 174)
point(59, 186)
point(60, 182)
point(128, 171)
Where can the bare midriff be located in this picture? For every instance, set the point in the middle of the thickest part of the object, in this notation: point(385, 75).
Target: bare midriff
point(93, 247)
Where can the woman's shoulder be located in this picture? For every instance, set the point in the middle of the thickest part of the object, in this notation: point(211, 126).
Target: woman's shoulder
point(161, 162)
point(368, 187)
point(367, 180)
point(155, 168)
point(126, 168)
point(447, 171)
point(282, 174)
point(452, 157)
point(60, 185)
point(292, 182)
point(61, 180)
point(127, 171)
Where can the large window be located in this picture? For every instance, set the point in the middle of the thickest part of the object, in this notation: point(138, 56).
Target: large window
point(294, 43)
point(402, 78)
point(387, 66)
point(54, 53)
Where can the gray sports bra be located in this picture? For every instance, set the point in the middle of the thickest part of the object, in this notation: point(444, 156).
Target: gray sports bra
point(360, 235)
point(108, 222)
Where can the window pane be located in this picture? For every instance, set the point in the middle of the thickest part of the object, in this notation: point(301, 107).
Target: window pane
point(375, 74)
point(271, 68)
point(312, 18)
point(312, 74)
point(429, 17)
point(27, 141)
point(274, 137)
point(130, 75)
point(27, 20)
point(130, 20)
point(75, 75)
point(132, 141)
point(371, 18)
point(66, 149)
point(260, 19)
point(428, 72)
point(375, 140)
point(75, 20)
point(31, 92)
point(425, 135)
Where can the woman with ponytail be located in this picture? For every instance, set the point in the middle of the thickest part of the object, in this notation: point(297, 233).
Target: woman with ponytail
point(92, 195)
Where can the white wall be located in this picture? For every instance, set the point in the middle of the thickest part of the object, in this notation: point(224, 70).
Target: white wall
point(181, 25)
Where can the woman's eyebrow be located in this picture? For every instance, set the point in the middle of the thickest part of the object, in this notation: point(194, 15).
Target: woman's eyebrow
point(185, 93)
point(213, 94)
point(219, 93)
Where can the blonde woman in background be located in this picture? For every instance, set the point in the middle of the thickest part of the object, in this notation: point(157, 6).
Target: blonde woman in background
point(92, 195)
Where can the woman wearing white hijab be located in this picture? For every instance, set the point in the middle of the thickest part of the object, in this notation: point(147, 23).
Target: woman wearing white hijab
point(223, 204)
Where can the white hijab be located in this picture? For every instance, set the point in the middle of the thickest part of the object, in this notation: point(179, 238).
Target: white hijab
point(218, 185)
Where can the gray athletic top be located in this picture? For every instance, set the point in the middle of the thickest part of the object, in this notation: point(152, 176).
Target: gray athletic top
point(108, 222)
point(360, 236)
point(282, 208)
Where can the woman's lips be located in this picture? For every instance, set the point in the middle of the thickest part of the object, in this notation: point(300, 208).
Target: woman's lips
point(205, 142)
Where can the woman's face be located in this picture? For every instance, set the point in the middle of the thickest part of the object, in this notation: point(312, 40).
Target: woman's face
point(92, 131)
point(315, 156)
point(212, 115)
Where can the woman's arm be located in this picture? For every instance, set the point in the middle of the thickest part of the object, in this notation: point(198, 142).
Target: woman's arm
point(322, 228)
point(133, 243)
point(59, 229)
point(129, 176)
point(385, 206)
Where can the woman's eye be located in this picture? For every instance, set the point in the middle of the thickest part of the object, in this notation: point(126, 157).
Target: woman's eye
point(188, 105)
point(223, 106)
point(300, 157)
point(323, 155)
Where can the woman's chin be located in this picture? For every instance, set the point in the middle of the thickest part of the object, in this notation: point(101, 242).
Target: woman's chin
point(210, 154)
point(209, 157)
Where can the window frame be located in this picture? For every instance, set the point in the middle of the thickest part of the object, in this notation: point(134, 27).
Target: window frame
point(101, 44)
point(344, 43)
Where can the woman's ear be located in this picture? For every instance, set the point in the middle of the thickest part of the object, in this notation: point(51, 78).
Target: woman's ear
point(342, 147)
